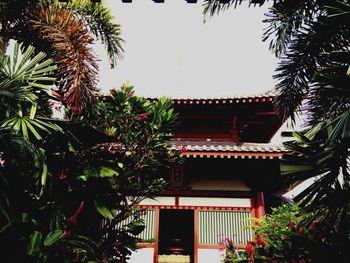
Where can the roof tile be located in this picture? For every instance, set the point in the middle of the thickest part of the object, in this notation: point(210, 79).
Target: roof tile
point(226, 146)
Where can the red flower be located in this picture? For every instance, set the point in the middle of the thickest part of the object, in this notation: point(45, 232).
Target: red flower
point(300, 230)
point(302, 261)
point(130, 94)
point(261, 241)
point(257, 223)
point(143, 117)
point(73, 219)
point(250, 247)
point(291, 224)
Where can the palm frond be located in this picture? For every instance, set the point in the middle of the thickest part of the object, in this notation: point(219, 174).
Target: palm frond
point(298, 66)
point(284, 20)
point(330, 94)
point(22, 74)
point(28, 125)
point(324, 157)
point(215, 7)
point(65, 37)
point(100, 21)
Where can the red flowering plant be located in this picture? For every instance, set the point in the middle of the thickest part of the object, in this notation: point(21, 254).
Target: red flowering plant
point(289, 235)
point(231, 252)
point(277, 238)
point(252, 252)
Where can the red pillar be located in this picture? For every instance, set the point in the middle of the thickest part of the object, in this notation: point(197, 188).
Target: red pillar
point(259, 204)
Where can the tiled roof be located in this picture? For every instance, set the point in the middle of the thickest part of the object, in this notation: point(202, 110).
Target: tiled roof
point(227, 149)
point(264, 97)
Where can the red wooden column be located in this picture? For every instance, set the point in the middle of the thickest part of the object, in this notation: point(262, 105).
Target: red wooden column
point(196, 217)
point(259, 204)
point(156, 236)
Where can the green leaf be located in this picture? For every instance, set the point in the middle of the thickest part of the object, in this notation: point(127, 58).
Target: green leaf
point(24, 130)
point(136, 228)
point(43, 178)
point(38, 85)
point(33, 130)
point(107, 172)
point(289, 233)
point(33, 111)
point(106, 212)
point(287, 169)
point(53, 237)
point(128, 153)
point(34, 243)
point(82, 178)
point(121, 165)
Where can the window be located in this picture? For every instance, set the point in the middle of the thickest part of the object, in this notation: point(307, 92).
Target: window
point(212, 225)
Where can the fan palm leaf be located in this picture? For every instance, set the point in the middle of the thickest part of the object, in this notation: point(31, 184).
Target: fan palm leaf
point(29, 124)
point(21, 75)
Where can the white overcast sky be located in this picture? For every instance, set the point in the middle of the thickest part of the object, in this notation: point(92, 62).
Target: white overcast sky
point(170, 51)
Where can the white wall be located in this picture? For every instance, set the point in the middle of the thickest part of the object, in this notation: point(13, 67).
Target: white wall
point(210, 255)
point(143, 255)
point(215, 201)
point(159, 200)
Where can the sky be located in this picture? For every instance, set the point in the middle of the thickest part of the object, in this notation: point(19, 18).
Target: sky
point(169, 51)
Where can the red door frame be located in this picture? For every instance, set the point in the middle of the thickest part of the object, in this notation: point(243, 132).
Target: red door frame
point(257, 209)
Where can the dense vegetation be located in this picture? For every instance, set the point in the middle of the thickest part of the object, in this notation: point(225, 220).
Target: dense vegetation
point(60, 178)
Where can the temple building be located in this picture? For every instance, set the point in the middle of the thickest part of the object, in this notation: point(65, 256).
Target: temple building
point(230, 167)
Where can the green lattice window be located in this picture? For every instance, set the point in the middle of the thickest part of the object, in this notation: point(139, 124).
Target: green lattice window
point(213, 225)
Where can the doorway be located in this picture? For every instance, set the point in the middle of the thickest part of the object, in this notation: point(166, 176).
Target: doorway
point(176, 232)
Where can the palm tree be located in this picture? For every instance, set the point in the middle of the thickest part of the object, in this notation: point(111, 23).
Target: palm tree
point(63, 31)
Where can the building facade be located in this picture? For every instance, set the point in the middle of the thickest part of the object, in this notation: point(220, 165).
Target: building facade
point(229, 167)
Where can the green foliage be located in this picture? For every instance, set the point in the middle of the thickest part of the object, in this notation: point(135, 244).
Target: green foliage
point(99, 166)
point(122, 173)
point(53, 237)
point(282, 237)
point(35, 240)
point(22, 77)
point(215, 7)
